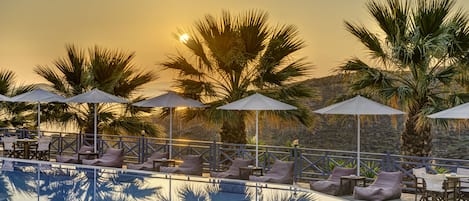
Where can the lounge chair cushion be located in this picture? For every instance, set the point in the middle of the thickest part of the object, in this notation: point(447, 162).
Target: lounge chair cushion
point(281, 172)
point(191, 165)
point(387, 186)
point(74, 158)
point(332, 185)
point(233, 171)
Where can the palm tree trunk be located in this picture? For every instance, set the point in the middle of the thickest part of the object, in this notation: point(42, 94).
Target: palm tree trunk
point(234, 130)
point(416, 140)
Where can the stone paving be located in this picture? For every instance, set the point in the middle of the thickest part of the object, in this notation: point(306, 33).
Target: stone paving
point(404, 196)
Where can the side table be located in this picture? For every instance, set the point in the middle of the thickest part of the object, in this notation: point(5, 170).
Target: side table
point(353, 181)
point(245, 172)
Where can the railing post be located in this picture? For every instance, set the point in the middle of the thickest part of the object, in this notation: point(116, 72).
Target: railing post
point(213, 156)
point(327, 167)
point(141, 149)
point(120, 143)
point(387, 163)
point(295, 162)
point(59, 144)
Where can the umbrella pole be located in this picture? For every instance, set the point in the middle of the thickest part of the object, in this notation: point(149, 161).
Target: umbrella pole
point(170, 131)
point(257, 138)
point(38, 119)
point(95, 129)
point(358, 145)
point(94, 183)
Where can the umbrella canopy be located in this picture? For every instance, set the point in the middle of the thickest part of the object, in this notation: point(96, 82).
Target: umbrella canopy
point(95, 96)
point(257, 102)
point(359, 106)
point(170, 100)
point(4, 98)
point(458, 112)
point(38, 96)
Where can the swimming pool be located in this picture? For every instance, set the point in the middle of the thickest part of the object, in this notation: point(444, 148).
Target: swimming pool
point(20, 180)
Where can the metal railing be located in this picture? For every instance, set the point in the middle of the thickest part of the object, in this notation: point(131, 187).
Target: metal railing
point(310, 164)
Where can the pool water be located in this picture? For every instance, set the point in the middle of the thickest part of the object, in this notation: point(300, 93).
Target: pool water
point(25, 180)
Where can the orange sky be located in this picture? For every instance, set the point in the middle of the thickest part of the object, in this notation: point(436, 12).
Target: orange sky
point(35, 32)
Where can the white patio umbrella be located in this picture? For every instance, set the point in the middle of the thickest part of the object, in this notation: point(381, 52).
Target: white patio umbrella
point(95, 96)
point(457, 112)
point(257, 102)
point(359, 106)
point(170, 100)
point(4, 98)
point(38, 96)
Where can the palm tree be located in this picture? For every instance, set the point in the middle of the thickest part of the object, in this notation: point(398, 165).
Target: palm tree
point(108, 70)
point(419, 62)
point(15, 114)
point(232, 57)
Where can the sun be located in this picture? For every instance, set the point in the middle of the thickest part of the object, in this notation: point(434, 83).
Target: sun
point(183, 38)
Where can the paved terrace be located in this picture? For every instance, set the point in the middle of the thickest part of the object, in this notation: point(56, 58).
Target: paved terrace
point(404, 196)
point(310, 164)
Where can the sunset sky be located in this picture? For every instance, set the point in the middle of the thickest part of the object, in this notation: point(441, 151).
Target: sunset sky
point(35, 32)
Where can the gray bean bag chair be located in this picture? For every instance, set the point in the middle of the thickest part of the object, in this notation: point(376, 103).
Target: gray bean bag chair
point(148, 164)
point(281, 172)
point(74, 158)
point(332, 185)
point(111, 158)
point(233, 170)
point(386, 187)
point(191, 165)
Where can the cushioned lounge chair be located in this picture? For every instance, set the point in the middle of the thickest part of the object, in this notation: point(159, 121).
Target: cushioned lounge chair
point(191, 165)
point(233, 170)
point(111, 158)
point(280, 172)
point(148, 165)
point(74, 158)
point(387, 186)
point(332, 185)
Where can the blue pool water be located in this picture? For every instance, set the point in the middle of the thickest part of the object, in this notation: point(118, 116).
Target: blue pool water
point(24, 180)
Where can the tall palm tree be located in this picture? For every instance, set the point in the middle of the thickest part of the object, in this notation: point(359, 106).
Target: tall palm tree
point(232, 57)
point(15, 114)
point(108, 70)
point(419, 61)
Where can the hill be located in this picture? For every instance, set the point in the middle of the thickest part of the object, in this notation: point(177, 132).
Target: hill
point(380, 134)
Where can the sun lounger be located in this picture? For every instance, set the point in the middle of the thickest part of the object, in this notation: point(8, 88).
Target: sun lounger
point(148, 165)
point(191, 165)
point(233, 170)
point(387, 186)
point(74, 158)
point(111, 158)
point(332, 185)
point(280, 172)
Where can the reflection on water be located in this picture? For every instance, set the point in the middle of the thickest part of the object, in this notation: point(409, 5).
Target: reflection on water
point(27, 181)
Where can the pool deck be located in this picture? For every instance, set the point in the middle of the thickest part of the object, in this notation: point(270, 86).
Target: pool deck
point(404, 196)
